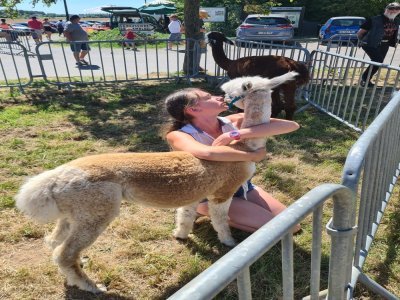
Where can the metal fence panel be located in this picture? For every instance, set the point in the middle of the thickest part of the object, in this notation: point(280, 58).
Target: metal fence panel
point(109, 62)
point(17, 38)
point(15, 70)
point(372, 167)
point(335, 88)
point(211, 281)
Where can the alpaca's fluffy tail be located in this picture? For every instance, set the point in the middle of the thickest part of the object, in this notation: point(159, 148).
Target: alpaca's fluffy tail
point(35, 197)
point(278, 80)
point(304, 74)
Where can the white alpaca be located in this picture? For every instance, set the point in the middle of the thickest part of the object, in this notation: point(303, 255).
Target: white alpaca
point(84, 195)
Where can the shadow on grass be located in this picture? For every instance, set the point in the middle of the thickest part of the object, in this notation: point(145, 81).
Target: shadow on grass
point(128, 114)
point(393, 242)
point(322, 137)
point(75, 293)
point(382, 271)
point(266, 274)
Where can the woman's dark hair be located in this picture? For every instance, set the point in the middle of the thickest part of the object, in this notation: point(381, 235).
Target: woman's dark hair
point(175, 105)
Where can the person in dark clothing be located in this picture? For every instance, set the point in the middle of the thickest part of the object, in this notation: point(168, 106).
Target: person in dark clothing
point(60, 27)
point(376, 35)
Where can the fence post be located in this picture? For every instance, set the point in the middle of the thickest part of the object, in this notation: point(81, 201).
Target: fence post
point(341, 228)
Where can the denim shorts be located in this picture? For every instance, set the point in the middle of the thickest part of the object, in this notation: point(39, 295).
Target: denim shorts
point(77, 47)
point(174, 37)
point(240, 191)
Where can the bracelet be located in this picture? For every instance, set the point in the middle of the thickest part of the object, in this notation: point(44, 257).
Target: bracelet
point(234, 134)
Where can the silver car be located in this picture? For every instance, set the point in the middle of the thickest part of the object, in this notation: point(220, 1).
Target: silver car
point(265, 28)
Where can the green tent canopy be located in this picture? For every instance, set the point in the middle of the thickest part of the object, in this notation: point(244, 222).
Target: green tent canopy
point(158, 7)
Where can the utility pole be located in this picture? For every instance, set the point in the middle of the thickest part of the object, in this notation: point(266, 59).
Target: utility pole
point(66, 10)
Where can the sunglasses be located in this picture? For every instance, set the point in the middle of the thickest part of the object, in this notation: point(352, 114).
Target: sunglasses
point(394, 8)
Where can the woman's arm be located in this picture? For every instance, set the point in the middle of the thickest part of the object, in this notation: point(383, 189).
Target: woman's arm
point(275, 127)
point(181, 141)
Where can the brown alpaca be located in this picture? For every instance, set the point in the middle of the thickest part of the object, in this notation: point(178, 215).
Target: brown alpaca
point(268, 66)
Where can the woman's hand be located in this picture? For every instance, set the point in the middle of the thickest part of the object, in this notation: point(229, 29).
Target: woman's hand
point(259, 154)
point(223, 140)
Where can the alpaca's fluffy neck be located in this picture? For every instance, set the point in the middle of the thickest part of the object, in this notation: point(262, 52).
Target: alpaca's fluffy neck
point(257, 111)
point(219, 55)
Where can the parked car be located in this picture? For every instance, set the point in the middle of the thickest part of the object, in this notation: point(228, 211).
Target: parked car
point(341, 29)
point(21, 28)
point(265, 28)
point(122, 17)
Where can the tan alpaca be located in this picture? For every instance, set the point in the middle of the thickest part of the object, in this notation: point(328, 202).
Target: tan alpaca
point(84, 195)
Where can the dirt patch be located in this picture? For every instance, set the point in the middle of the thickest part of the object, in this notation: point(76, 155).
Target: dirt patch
point(25, 254)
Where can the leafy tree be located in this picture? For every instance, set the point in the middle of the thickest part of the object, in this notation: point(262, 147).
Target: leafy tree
point(9, 5)
point(237, 10)
point(322, 10)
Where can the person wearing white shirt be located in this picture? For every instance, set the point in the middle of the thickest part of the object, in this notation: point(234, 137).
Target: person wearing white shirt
point(174, 28)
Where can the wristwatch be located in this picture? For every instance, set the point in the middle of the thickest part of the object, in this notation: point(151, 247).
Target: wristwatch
point(234, 134)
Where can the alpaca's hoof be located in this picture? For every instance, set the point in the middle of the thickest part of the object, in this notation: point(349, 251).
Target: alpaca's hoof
point(230, 242)
point(96, 289)
point(101, 288)
point(88, 286)
point(180, 235)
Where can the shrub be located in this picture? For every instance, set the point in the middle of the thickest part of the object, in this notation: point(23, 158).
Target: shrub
point(106, 35)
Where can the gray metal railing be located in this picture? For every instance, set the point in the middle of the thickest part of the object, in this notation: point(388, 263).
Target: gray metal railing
point(336, 89)
point(110, 62)
point(235, 264)
point(372, 167)
point(17, 38)
point(15, 66)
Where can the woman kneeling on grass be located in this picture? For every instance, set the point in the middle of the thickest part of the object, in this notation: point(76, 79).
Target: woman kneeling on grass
point(197, 128)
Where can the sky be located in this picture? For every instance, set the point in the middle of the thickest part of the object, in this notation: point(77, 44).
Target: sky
point(79, 6)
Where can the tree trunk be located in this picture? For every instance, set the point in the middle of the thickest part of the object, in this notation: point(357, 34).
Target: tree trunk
point(192, 34)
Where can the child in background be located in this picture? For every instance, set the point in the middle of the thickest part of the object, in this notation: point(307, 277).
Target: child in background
point(130, 35)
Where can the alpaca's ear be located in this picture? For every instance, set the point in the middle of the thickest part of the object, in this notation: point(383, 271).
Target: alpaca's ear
point(247, 85)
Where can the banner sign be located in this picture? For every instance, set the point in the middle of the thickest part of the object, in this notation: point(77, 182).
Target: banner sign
point(216, 14)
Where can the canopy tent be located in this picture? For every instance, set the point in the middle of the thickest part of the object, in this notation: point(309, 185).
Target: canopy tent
point(158, 7)
point(159, 2)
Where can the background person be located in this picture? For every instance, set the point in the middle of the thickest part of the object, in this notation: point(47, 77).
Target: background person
point(174, 28)
point(203, 14)
point(5, 30)
point(130, 36)
point(47, 28)
point(37, 27)
point(196, 128)
point(60, 27)
point(376, 35)
point(74, 32)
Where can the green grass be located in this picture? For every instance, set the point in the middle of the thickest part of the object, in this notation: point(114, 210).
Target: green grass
point(136, 257)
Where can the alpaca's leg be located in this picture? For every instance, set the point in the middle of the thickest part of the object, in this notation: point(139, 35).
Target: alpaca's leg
point(82, 234)
point(219, 219)
point(90, 211)
point(59, 234)
point(277, 104)
point(185, 217)
point(289, 92)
